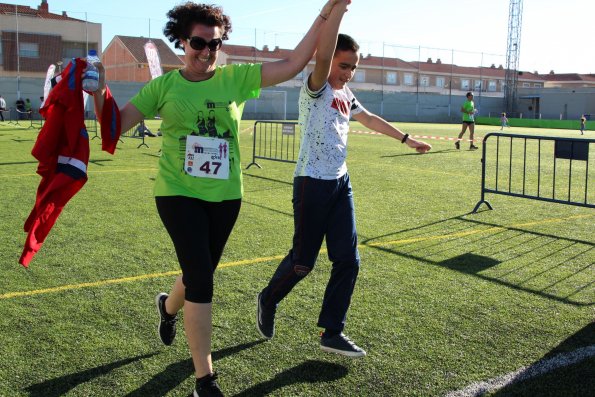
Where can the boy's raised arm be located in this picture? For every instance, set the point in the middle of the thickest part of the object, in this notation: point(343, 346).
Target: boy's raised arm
point(326, 46)
point(285, 69)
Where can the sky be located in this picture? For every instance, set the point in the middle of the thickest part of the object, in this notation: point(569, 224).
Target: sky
point(554, 36)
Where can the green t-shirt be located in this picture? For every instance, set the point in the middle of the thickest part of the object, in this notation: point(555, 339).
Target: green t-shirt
point(210, 108)
point(468, 106)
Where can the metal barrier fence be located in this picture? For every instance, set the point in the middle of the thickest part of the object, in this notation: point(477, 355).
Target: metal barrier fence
point(29, 119)
point(542, 168)
point(92, 127)
point(275, 140)
point(139, 131)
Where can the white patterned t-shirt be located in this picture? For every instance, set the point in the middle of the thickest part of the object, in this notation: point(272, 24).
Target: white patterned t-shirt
point(324, 122)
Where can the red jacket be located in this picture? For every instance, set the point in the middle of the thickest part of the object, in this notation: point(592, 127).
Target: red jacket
point(62, 149)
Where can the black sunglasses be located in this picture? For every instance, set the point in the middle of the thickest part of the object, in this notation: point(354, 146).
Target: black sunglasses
point(199, 44)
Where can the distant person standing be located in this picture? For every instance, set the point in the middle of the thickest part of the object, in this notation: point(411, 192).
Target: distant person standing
point(2, 108)
point(468, 110)
point(583, 122)
point(20, 105)
point(28, 108)
point(503, 121)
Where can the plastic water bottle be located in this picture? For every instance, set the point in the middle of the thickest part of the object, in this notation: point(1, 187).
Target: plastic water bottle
point(91, 75)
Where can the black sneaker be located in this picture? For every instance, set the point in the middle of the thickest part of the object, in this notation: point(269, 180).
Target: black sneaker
point(265, 319)
point(341, 344)
point(167, 322)
point(457, 145)
point(473, 147)
point(207, 387)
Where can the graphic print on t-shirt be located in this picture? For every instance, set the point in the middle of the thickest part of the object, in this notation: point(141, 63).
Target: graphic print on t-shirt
point(206, 126)
point(341, 105)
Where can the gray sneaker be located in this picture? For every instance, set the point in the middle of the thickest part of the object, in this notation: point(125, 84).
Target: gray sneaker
point(341, 344)
point(167, 323)
point(265, 319)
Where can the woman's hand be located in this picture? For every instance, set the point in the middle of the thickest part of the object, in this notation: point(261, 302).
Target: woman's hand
point(101, 71)
point(419, 146)
point(326, 10)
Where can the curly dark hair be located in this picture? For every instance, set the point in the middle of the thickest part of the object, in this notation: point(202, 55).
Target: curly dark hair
point(183, 16)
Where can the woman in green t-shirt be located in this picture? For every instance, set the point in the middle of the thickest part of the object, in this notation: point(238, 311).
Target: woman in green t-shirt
point(198, 188)
point(468, 110)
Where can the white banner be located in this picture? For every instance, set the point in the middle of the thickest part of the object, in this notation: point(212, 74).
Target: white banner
point(48, 83)
point(153, 59)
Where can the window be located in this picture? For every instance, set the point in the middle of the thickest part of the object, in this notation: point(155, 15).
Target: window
point(69, 53)
point(440, 83)
point(76, 49)
point(464, 84)
point(424, 81)
point(477, 86)
point(492, 86)
point(526, 85)
point(538, 85)
point(359, 77)
point(391, 77)
point(29, 50)
point(408, 79)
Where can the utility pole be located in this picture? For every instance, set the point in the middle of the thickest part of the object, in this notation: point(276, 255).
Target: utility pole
point(515, 19)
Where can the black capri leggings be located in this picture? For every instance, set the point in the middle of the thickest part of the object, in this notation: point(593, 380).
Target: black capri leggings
point(199, 230)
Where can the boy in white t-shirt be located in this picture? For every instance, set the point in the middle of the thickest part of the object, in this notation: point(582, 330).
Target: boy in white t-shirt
point(322, 196)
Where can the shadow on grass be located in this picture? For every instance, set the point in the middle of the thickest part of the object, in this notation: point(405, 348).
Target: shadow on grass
point(311, 371)
point(152, 155)
point(445, 151)
point(461, 230)
point(290, 214)
point(567, 370)
point(267, 179)
point(60, 386)
point(469, 263)
point(23, 140)
point(246, 202)
point(20, 163)
point(98, 162)
point(176, 373)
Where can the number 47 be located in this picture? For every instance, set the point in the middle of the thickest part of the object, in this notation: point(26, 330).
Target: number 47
point(206, 167)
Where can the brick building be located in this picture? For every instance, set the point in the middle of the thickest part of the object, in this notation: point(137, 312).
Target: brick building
point(33, 38)
point(124, 59)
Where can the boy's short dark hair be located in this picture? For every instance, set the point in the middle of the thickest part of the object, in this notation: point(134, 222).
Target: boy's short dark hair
point(346, 43)
point(469, 94)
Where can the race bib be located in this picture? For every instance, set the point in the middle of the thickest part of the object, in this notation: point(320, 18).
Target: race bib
point(207, 157)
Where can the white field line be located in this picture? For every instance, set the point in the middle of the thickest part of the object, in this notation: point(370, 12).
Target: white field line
point(539, 368)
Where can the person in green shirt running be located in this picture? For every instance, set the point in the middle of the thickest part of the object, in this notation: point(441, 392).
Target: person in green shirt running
point(28, 108)
point(198, 187)
point(468, 110)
